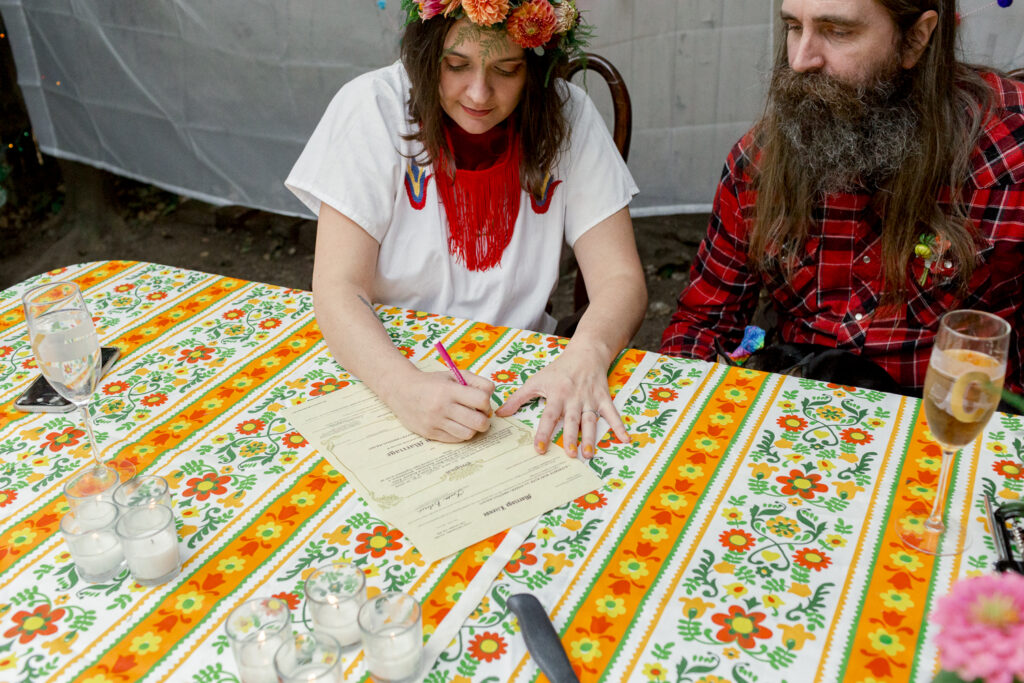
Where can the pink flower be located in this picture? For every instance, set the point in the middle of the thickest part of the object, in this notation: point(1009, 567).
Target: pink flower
point(431, 8)
point(486, 12)
point(981, 628)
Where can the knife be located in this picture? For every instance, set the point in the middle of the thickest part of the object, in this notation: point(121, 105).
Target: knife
point(541, 638)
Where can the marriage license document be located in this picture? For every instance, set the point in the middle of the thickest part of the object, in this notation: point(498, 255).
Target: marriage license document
point(443, 497)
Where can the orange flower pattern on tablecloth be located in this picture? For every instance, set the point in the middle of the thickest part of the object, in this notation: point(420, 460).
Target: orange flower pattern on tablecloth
point(888, 637)
point(210, 364)
point(759, 584)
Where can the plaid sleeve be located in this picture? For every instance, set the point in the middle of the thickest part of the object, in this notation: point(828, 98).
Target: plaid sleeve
point(722, 295)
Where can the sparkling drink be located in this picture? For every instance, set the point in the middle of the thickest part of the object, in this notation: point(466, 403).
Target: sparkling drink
point(961, 391)
point(67, 351)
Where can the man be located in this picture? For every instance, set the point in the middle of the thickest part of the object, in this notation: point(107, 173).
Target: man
point(881, 188)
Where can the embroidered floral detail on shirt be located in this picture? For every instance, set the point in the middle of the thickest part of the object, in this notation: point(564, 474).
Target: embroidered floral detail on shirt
point(416, 182)
point(543, 202)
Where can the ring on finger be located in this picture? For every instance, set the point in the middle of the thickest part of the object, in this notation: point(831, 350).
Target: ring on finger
point(591, 410)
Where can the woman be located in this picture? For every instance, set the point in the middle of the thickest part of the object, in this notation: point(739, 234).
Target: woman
point(446, 183)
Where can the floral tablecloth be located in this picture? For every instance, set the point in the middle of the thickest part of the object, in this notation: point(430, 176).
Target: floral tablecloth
point(743, 534)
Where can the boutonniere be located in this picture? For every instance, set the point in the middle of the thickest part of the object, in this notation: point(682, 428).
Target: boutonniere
point(931, 249)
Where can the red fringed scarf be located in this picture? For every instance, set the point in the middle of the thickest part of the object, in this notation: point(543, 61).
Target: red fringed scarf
point(482, 204)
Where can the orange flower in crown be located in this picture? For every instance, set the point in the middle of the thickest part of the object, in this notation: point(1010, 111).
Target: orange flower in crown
point(485, 12)
point(532, 24)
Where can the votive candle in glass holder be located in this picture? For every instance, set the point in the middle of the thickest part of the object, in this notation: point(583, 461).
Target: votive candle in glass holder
point(334, 595)
point(309, 658)
point(145, 489)
point(392, 633)
point(150, 542)
point(88, 530)
point(97, 482)
point(257, 629)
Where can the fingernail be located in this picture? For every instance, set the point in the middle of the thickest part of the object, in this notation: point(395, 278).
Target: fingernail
point(542, 447)
point(588, 451)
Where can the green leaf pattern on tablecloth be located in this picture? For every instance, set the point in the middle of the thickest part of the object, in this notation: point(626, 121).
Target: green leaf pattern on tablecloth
point(756, 600)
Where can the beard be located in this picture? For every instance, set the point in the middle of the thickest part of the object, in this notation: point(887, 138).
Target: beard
point(837, 137)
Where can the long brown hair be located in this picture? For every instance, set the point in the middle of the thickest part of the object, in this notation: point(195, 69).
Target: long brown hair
point(539, 118)
point(950, 100)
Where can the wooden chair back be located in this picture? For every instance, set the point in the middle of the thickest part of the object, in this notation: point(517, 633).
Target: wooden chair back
point(622, 131)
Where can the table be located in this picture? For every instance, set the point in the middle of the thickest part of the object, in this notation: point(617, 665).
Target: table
point(743, 532)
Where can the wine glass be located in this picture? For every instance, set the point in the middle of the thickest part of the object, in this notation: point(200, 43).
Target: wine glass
point(67, 351)
point(961, 391)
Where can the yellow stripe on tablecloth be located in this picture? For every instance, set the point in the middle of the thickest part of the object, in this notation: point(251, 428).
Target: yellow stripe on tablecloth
point(605, 534)
point(587, 622)
point(90, 277)
point(682, 565)
point(468, 562)
point(164, 622)
point(149, 329)
point(255, 373)
point(964, 512)
point(898, 568)
point(651, 464)
point(573, 628)
point(863, 540)
point(61, 506)
point(298, 545)
point(468, 347)
point(44, 521)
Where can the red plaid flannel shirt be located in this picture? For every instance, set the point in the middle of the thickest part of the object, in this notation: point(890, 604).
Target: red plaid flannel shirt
point(832, 298)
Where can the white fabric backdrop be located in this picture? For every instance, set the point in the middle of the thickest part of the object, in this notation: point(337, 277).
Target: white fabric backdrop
point(215, 98)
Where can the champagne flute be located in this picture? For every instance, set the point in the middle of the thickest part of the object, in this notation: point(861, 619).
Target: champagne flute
point(67, 351)
point(961, 391)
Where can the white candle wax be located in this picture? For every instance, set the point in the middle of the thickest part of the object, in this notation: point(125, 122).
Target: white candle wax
point(255, 659)
point(338, 619)
point(150, 543)
point(97, 554)
point(159, 559)
point(394, 657)
point(154, 557)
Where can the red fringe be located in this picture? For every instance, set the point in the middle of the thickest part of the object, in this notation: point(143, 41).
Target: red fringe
point(482, 207)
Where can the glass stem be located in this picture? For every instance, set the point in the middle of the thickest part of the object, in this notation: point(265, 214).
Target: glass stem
point(934, 521)
point(87, 419)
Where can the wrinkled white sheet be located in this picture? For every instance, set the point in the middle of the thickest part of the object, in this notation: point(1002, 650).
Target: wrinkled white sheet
point(214, 99)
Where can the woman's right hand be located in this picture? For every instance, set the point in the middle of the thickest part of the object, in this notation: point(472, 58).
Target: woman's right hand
point(435, 405)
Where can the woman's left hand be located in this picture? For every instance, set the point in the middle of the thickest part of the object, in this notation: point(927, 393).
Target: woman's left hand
point(575, 387)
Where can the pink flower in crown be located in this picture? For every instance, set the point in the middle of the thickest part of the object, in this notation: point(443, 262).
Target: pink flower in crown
point(486, 12)
point(981, 628)
point(431, 8)
point(532, 24)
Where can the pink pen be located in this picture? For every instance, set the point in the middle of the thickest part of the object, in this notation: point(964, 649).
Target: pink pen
point(449, 362)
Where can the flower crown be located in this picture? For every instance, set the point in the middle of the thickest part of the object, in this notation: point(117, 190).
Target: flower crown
point(538, 25)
